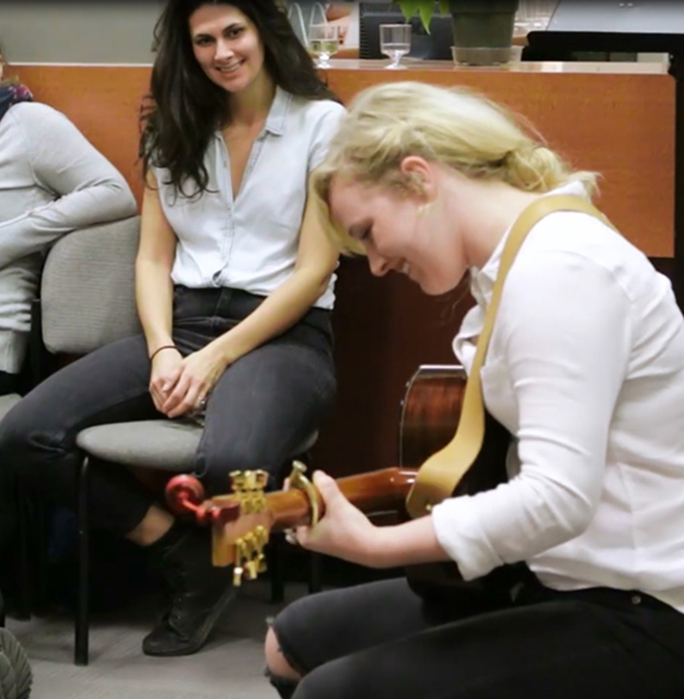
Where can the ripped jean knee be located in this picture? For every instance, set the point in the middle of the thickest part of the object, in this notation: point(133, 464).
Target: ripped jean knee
point(285, 687)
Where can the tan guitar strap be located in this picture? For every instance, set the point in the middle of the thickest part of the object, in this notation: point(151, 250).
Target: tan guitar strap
point(440, 474)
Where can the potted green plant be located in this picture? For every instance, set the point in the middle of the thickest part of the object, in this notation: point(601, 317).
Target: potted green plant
point(482, 24)
point(423, 8)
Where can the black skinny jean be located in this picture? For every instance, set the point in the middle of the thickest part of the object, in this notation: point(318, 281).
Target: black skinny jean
point(261, 409)
point(382, 641)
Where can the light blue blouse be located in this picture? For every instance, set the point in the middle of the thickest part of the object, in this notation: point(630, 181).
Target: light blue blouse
point(250, 242)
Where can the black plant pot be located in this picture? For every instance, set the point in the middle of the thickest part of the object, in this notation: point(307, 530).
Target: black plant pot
point(483, 23)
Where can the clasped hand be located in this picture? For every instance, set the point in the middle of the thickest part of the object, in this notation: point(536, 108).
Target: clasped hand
point(179, 385)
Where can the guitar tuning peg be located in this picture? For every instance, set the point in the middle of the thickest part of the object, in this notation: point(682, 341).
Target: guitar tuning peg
point(251, 569)
point(261, 537)
point(262, 563)
point(238, 570)
point(298, 466)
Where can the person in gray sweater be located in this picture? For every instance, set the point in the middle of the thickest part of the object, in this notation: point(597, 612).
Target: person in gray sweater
point(52, 181)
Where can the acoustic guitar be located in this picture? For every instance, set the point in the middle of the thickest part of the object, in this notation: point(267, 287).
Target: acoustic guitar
point(429, 416)
point(243, 520)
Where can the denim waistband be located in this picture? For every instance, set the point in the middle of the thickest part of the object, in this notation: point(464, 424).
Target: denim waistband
point(604, 596)
point(236, 304)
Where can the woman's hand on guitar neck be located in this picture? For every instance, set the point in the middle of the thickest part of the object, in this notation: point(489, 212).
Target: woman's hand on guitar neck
point(344, 531)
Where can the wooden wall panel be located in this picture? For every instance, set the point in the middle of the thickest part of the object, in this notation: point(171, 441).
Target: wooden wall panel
point(621, 124)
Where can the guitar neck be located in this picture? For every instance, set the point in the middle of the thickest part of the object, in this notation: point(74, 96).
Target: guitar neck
point(373, 493)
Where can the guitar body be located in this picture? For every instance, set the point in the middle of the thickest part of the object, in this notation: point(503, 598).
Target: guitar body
point(429, 416)
point(429, 412)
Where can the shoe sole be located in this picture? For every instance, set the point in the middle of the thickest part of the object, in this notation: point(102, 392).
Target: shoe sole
point(16, 677)
point(204, 630)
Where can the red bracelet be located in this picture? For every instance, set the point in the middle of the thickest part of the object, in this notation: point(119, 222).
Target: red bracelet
point(163, 347)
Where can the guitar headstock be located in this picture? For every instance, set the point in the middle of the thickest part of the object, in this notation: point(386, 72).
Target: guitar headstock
point(239, 539)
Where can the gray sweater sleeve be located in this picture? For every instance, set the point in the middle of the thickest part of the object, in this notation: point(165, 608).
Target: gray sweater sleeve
point(87, 188)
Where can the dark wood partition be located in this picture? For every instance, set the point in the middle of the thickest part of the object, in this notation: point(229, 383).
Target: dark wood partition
point(614, 118)
point(617, 119)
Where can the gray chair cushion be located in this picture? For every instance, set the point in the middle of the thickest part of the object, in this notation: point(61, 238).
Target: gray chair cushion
point(87, 288)
point(7, 403)
point(166, 445)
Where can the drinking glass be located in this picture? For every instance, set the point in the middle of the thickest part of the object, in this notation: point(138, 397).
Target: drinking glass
point(324, 41)
point(395, 42)
point(296, 17)
point(316, 12)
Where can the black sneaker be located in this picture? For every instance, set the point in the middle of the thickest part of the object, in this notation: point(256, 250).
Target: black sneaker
point(16, 677)
point(200, 595)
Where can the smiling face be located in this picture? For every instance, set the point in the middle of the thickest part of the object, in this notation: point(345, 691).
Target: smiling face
point(400, 233)
point(227, 46)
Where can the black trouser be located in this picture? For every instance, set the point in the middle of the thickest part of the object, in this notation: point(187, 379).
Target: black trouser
point(382, 641)
point(10, 383)
point(263, 406)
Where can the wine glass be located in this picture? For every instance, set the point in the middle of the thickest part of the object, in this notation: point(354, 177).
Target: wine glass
point(317, 14)
point(296, 17)
point(395, 42)
point(324, 41)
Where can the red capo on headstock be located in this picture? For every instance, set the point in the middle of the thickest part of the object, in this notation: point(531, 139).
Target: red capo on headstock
point(185, 495)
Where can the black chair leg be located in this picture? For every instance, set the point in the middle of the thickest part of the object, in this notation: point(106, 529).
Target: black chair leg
point(83, 601)
point(41, 570)
point(24, 581)
point(315, 573)
point(276, 567)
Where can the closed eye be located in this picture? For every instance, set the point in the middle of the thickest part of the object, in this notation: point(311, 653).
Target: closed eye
point(365, 234)
point(361, 231)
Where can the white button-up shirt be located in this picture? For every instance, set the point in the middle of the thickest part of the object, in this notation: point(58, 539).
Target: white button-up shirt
point(250, 242)
point(586, 370)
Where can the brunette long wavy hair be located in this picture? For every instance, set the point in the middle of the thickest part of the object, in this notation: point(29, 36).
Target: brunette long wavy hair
point(184, 107)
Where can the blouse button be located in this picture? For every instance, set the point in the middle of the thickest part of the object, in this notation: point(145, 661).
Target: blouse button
point(636, 599)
